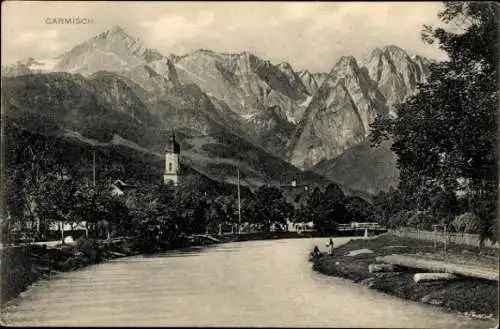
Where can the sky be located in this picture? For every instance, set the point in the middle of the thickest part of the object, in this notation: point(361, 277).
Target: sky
point(308, 35)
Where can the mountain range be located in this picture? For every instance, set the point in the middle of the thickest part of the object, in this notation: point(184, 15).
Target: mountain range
point(229, 110)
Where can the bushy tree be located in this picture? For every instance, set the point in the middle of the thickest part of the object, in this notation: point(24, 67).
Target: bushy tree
point(326, 209)
point(444, 206)
point(224, 209)
point(422, 220)
point(359, 210)
point(191, 205)
point(398, 219)
point(466, 223)
point(386, 205)
point(59, 201)
point(271, 207)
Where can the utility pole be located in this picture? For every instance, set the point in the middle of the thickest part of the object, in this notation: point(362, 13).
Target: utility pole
point(93, 168)
point(239, 203)
point(93, 184)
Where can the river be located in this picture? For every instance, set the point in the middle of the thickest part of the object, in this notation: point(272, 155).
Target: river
point(256, 283)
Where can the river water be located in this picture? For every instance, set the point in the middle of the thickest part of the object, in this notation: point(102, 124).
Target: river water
point(257, 283)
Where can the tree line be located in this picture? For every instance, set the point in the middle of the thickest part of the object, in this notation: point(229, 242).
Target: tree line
point(445, 136)
point(44, 187)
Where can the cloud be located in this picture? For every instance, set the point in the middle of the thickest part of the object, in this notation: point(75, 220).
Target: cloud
point(174, 28)
point(299, 10)
point(308, 35)
point(43, 41)
point(369, 16)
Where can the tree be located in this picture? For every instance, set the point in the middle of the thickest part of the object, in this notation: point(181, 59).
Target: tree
point(447, 133)
point(30, 166)
point(248, 211)
point(398, 219)
point(191, 206)
point(155, 217)
point(444, 206)
point(59, 201)
point(119, 216)
point(326, 209)
point(421, 220)
point(223, 211)
point(388, 204)
point(358, 210)
point(271, 207)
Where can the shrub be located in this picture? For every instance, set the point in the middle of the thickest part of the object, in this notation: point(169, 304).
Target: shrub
point(421, 219)
point(89, 248)
point(466, 223)
point(399, 219)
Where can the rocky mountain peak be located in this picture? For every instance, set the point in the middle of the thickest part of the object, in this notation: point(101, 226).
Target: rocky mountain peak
point(112, 50)
point(113, 35)
point(309, 81)
point(287, 69)
point(396, 73)
point(284, 66)
point(393, 50)
point(376, 52)
point(304, 73)
point(116, 29)
point(347, 61)
point(248, 58)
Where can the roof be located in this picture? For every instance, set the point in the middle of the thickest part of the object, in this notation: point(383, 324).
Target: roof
point(121, 184)
point(172, 145)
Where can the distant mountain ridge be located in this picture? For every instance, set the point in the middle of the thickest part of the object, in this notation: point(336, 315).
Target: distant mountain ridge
point(340, 112)
point(303, 118)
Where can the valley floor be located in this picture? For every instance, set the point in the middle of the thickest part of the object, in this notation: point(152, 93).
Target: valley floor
point(474, 297)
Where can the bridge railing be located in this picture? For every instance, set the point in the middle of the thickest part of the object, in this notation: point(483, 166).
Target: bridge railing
point(360, 226)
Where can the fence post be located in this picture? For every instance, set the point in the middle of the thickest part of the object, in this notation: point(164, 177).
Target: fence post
point(435, 236)
point(445, 240)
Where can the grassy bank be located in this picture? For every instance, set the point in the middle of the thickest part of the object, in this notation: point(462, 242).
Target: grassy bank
point(475, 297)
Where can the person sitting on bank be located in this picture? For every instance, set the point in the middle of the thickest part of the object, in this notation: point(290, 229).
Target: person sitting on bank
point(316, 251)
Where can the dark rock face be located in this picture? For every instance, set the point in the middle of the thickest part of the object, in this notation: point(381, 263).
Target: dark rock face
point(338, 115)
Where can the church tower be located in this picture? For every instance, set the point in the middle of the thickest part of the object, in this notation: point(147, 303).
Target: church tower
point(172, 165)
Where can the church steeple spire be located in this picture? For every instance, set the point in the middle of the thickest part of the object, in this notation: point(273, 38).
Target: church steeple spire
point(172, 145)
point(172, 163)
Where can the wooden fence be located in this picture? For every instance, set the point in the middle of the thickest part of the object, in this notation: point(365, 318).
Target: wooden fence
point(441, 237)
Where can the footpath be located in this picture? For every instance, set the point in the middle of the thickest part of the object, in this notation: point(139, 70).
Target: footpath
point(464, 279)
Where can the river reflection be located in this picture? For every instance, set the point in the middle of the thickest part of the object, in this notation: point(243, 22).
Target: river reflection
point(256, 283)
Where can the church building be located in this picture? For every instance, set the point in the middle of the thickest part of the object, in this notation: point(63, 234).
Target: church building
point(172, 164)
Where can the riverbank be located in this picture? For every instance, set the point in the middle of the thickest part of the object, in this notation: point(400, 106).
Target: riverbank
point(470, 296)
point(21, 266)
